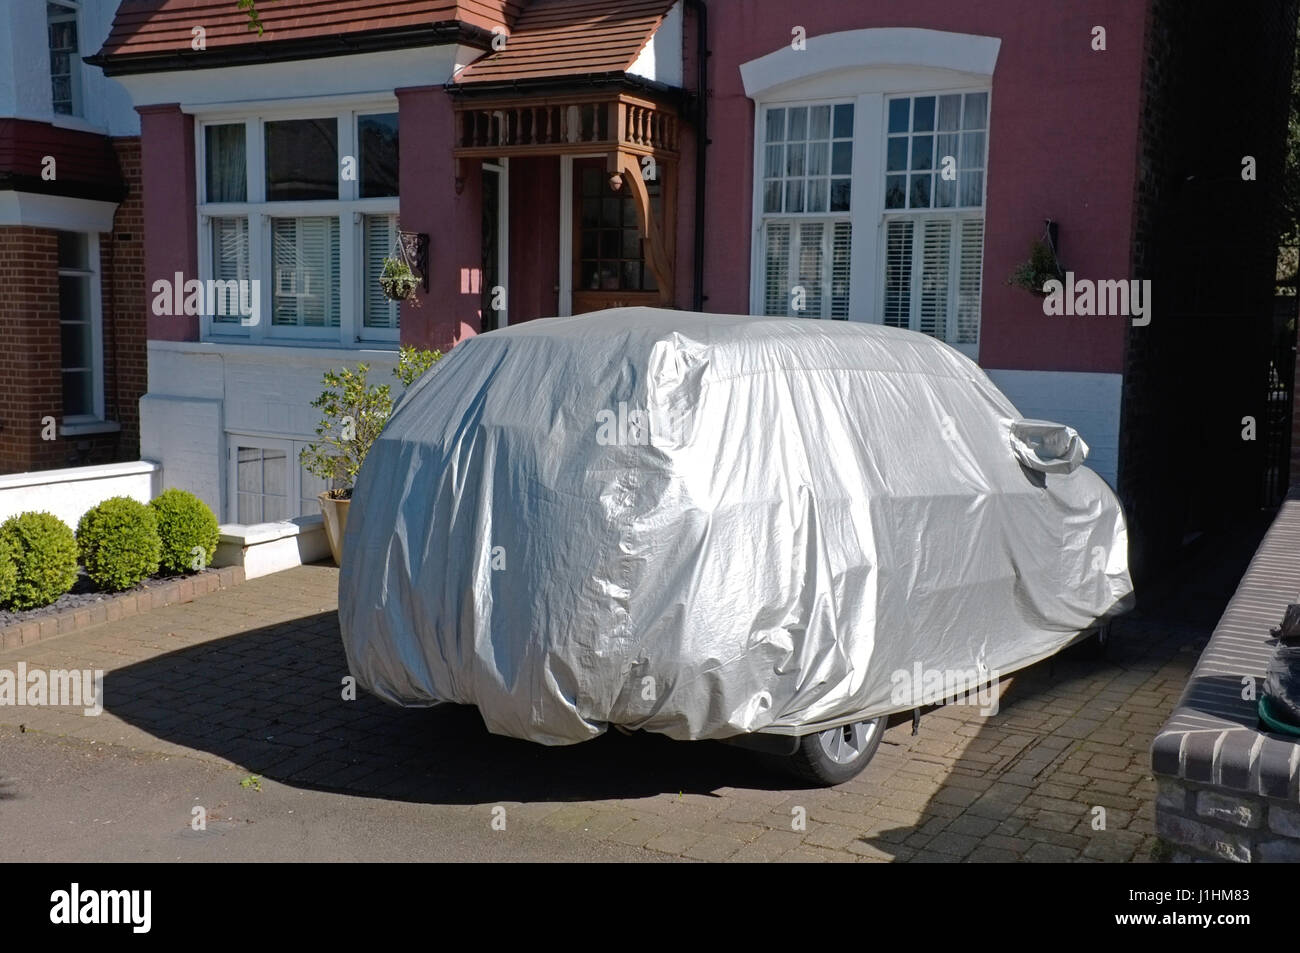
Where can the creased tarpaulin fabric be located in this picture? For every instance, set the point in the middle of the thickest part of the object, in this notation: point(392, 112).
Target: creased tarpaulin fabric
point(706, 525)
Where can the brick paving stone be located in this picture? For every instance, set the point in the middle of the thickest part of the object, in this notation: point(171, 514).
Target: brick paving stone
point(213, 678)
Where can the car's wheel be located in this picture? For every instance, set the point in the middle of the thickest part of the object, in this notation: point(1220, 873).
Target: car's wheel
point(835, 755)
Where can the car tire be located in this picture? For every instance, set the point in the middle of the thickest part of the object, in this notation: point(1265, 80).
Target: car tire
point(836, 755)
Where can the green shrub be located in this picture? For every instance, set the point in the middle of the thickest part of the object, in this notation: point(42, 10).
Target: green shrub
point(44, 553)
point(188, 530)
point(8, 572)
point(118, 543)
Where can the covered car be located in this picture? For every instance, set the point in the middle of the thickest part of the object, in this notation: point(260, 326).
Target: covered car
point(711, 526)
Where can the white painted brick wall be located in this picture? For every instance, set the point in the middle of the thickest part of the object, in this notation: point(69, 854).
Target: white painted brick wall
point(199, 393)
point(1090, 403)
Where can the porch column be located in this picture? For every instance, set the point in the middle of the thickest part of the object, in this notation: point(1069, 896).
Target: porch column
point(430, 202)
point(167, 183)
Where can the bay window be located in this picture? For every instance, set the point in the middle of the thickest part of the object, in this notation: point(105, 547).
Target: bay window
point(306, 206)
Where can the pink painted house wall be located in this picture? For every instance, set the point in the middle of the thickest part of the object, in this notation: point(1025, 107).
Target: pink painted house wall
point(1076, 165)
point(170, 213)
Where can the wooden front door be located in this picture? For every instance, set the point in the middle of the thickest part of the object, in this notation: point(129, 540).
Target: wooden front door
point(609, 266)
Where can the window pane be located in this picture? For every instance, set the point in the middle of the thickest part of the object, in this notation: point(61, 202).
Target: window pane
point(378, 242)
point(895, 191)
point(842, 157)
point(972, 150)
point(794, 195)
point(773, 161)
point(798, 123)
point(949, 112)
point(844, 121)
point(840, 194)
point(61, 27)
point(794, 156)
point(305, 263)
point(78, 389)
point(919, 196)
point(74, 251)
point(898, 114)
point(945, 192)
point(817, 158)
point(972, 188)
point(976, 111)
point(817, 189)
point(922, 152)
point(74, 299)
point(819, 122)
point(302, 160)
point(946, 146)
point(230, 263)
point(772, 195)
point(377, 138)
point(923, 116)
point(75, 346)
point(227, 172)
point(776, 125)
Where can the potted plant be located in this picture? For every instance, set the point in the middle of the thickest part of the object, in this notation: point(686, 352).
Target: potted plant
point(354, 412)
point(1041, 267)
point(397, 280)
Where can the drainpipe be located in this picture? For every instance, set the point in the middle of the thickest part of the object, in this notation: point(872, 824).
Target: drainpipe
point(701, 141)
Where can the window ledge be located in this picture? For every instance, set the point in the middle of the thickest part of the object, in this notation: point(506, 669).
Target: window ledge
point(89, 428)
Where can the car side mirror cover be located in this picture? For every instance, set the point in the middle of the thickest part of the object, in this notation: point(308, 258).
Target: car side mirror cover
point(1047, 447)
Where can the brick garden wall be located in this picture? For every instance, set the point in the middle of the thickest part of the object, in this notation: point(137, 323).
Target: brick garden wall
point(29, 328)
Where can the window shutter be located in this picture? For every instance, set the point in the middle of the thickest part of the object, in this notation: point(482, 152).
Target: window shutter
point(841, 247)
point(970, 267)
point(810, 268)
point(378, 243)
point(936, 261)
point(776, 271)
point(898, 273)
point(229, 257)
point(306, 253)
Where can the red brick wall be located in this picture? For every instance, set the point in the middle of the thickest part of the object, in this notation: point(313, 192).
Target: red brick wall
point(29, 360)
point(125, 326)
point(29, 327)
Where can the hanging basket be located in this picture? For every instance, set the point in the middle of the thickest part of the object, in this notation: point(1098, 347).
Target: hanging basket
point(406, 268)
point(398, 282)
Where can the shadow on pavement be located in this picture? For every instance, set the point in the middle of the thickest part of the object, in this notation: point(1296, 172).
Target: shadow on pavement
point(1014, 791)
point(270, 700)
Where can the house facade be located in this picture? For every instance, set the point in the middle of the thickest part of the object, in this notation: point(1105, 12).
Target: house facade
point(837, 161)
point(72, 333)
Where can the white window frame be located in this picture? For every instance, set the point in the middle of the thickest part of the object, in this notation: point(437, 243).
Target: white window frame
point(502, 170)
point(828, 218)
point(867, 67)
point(348, 208)
point(96, 330)
point(73, 9)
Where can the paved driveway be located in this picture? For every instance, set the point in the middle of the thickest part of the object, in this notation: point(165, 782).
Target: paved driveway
point(249, 682)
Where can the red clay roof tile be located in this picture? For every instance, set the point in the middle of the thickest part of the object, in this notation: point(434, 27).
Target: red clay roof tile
point(164, 26)
point(571, 37)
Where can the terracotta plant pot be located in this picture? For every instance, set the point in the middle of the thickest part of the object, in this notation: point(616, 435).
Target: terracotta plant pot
point(335, 513)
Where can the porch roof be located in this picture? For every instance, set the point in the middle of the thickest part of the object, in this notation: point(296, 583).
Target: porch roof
point(150, 35)
point(570, 38)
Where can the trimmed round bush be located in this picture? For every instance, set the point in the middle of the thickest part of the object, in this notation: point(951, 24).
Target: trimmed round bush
point(8, 572)
point(188, 530)
point(118, 542)
point(44, 554)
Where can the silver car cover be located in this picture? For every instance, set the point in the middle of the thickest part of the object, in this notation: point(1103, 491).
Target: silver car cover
point(706, 525)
